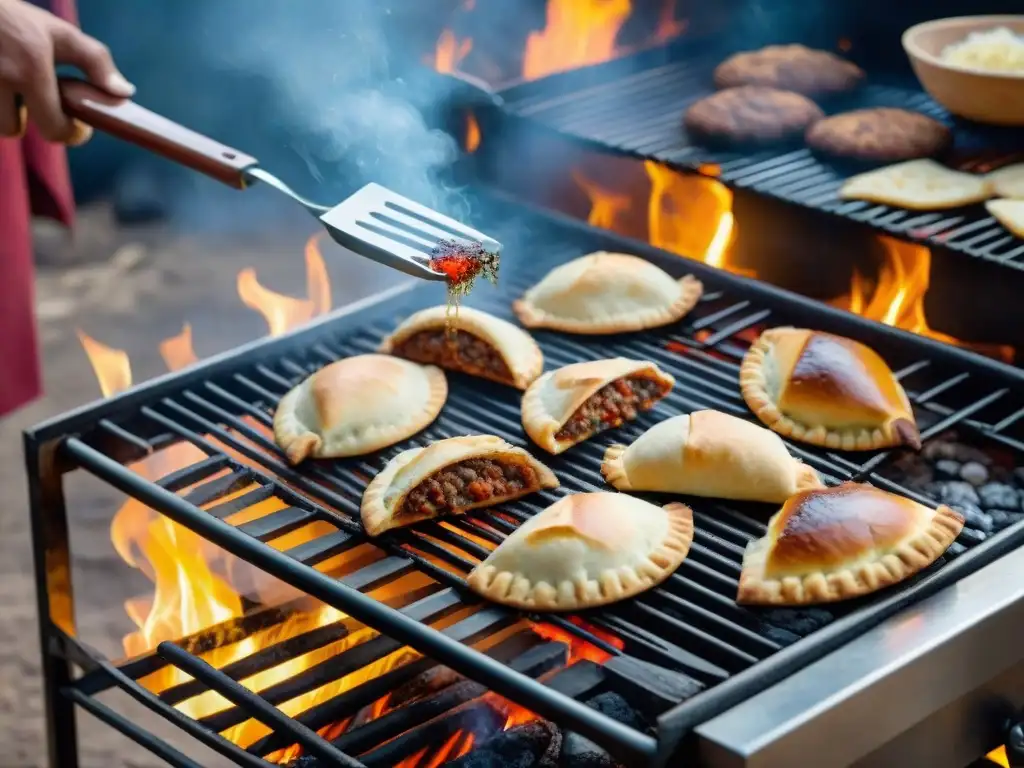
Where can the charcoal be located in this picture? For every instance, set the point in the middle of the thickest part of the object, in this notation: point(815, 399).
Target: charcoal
point(936, 450)
point(974, 473)
point(1004, 518)
point(973, 516)
point(430, 682)
point(1000, 496)
point(947, 469)
point(799, 622)
point(522, 746)
point(971, 537)
point(1018, 476)
point(617, 708)
point(1000, 474)
point(580, 752)
point(955, 550)
point(648, 687)
point(956, 492)
point(306, 761)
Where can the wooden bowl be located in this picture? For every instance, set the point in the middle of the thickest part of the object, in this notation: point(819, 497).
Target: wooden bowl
point(996, 98)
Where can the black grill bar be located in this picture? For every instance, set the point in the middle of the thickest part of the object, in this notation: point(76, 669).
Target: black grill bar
point(610, 734)
point(637, 108)
point(266, 713)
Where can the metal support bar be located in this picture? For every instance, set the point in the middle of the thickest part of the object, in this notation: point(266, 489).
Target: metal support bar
point(619, 739)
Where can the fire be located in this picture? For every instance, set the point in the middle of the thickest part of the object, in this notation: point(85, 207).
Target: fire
point(281, 312)
point(577, 33)
point(898, 295)
point(112, 366)
point(450, 52)
point(605, 207)
point(472, 133)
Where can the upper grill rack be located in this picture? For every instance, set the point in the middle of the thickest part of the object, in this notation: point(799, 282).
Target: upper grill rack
point(635, 106)
point(689, 627)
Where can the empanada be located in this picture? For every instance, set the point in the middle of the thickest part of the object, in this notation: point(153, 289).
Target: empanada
point(837, 543)
point(358, 405)
point(585, 550)
point(478, 344)
point(826, 390)
point(566, 406)
point(607, 293)
point(450, 477)
point(709, 453)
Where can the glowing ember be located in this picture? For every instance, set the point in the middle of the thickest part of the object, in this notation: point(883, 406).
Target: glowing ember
point(462, 264)
point(577, 33)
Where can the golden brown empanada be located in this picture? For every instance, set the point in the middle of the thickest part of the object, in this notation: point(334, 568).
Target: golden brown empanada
point(478, 344)
point(607, 293)
point(826, 390)
point(837, 543)
point(568, 405)
point(585, 550)
point(358, 405)
point(709, 453)
point(450, 477)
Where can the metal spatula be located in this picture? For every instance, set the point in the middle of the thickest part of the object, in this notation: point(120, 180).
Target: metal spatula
point(374, 222)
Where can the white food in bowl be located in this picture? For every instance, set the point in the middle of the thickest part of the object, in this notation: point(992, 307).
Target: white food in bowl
point(995, 50)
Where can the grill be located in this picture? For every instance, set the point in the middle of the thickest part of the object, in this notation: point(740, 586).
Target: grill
point(634, 106)
point(688, 652)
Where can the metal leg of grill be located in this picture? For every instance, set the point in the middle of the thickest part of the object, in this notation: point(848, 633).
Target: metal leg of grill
point(54, 597)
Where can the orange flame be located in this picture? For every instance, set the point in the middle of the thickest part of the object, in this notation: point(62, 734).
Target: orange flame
point(284, 313)
point(112, 367)
point(605, 207)
point(577, 33)
point(450, 52)
point(898, 296)
point(998, 756)
point(472, 133)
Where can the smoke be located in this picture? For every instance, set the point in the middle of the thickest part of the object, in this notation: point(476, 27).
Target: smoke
point(313, 88)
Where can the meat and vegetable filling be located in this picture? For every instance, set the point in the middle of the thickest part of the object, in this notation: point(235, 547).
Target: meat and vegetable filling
point(469, 482)
point(460, 351)
point(612, 405)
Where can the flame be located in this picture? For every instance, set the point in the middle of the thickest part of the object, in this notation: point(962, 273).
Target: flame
point(605, 207)
point(668, 25)
point(472, 133)
point(284, 313)
point(450, 52)
point(177, 351)
point(898, 295)
point(577, 33)
point(998, 756)
point(112, 367)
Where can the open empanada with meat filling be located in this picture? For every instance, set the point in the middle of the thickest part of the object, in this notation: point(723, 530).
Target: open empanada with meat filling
point(836, 543)
point(585, 550)
point(358, 405)
point(450, 477)
point(475, 343)
point(826, 390)
point(570, 404)
point(709, 453)
point(607, 293)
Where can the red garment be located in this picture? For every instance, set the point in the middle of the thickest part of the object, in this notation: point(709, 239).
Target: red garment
point(34, 180)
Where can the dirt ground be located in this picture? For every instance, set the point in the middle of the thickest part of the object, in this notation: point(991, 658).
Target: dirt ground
point(129, 288)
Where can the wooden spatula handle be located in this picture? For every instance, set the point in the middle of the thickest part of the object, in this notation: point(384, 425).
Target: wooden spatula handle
point(137, 125)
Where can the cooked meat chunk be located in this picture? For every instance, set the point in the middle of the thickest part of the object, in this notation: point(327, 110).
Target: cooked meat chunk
point(469, 482)
point(460, 351)
point(612, 405)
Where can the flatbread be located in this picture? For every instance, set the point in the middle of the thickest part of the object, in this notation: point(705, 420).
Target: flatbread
point(920, 185)
point(1008, 181)
point(1009, 213)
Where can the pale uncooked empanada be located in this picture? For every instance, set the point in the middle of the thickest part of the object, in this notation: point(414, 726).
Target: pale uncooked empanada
point(1008, 181)
point(607, 293)
point(585, 550)
point(570, 404)
point(709, 453)
point(450, 477)
point(1009, 213)
point(358, 405)
point(826, 390)
point(478, 343)
point(837, 543)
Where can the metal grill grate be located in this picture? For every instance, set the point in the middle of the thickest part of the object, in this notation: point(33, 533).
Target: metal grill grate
point(708, 653)
point(637, 107)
